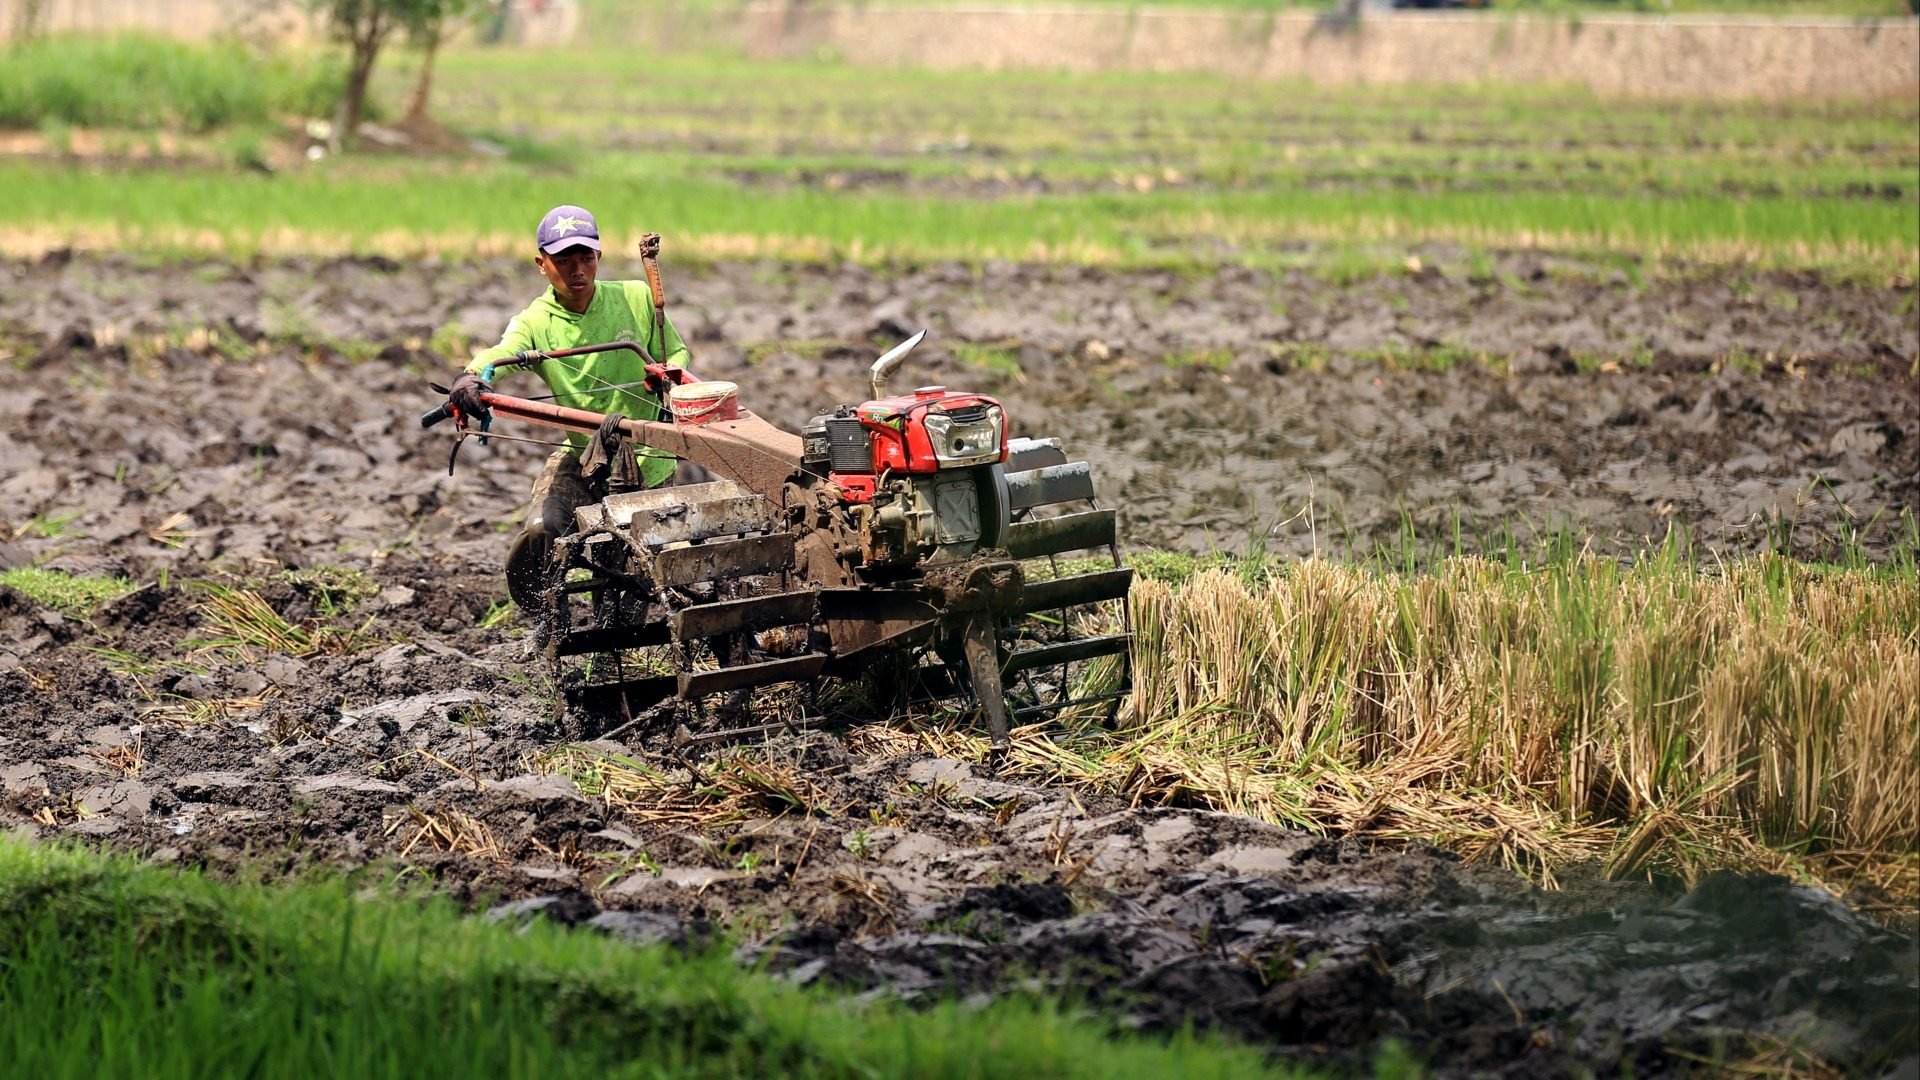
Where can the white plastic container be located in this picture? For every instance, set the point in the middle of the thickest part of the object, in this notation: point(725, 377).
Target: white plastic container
point(704, 402)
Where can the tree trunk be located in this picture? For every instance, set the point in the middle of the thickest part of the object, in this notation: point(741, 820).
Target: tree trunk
point(29, 19)
point(417, 106)
point(366, 49)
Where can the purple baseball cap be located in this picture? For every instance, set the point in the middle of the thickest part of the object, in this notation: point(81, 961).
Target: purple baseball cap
point(568, 226)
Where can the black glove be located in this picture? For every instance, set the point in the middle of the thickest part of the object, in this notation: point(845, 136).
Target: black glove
point(611, 432)
point(465, 396)
point(601, 456)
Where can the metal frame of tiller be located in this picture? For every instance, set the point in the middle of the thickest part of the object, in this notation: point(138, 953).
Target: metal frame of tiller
point(757, 578)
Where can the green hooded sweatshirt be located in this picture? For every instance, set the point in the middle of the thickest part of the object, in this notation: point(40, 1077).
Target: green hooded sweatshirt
point(620, 311)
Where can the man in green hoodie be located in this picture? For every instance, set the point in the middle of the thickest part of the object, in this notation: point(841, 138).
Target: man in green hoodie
point(577, 309)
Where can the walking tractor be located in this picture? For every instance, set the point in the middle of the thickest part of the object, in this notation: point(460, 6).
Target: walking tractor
point(905, 535)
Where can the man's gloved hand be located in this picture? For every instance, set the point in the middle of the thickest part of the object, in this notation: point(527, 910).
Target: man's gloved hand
point(602, 453)
point(610, 432)
point(465, 396)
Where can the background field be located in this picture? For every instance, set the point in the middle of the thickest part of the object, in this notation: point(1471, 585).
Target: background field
point(829, 162)
point(1514, 470)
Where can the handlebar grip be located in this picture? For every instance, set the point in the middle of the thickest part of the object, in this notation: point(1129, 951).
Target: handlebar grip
point(444, 412)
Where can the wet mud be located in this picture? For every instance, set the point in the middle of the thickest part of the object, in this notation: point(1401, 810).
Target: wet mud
point(928, 878)
point(256, 425)
point(1221, 411)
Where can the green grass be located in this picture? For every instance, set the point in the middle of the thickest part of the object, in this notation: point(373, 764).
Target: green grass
point(498, 614)
point(731, 158)
point(998, 360)
point(137, 81)
point(356, 206)
point(113, 968)
point(77, 595)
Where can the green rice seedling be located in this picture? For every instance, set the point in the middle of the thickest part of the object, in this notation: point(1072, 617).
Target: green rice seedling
point(388, 214)
point(1212, 359)
point(498, 614)
point(735, 786)
point(336, 590)
point(777, 788)
point(47, 526)
point(239, 622)
point(122, 662)
point(998, 360)
point(76, 595)
point(1339, 188)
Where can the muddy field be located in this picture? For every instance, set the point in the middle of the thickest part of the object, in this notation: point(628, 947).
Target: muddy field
point(231, 423)
point(1220, 410)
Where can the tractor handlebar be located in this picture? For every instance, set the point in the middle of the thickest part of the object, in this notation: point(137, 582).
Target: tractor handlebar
point(660, 377)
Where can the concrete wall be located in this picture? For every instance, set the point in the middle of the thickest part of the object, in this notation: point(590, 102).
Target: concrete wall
point(1655, 56)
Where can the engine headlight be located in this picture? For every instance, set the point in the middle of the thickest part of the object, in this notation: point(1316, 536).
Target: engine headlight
point(966, 441)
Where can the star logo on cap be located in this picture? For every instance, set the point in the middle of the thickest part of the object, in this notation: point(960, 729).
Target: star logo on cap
point(568, 224)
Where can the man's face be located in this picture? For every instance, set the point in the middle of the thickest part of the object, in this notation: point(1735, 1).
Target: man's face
point(571, 271)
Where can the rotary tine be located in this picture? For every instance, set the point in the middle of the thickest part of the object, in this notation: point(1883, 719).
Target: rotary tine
point(1049, 662)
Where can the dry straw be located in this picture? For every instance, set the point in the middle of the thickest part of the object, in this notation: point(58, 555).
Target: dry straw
point(1764, 714)
point(734, 786)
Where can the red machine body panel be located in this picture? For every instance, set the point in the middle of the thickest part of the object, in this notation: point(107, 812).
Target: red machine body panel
point(898, 424)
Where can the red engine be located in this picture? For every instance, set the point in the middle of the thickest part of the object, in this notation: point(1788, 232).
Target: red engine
point(927, 431)
point(919, 472)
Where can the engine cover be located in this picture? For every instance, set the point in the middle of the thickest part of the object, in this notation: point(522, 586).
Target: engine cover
point(933, 429)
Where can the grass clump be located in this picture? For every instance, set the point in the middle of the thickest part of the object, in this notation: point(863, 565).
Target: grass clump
point(48, 526)
point(498, 614)
point(1176, 568)
point(140, 81)
point(335, 590)
point(737, 785)
point(77, 595)
point(1002, 361)
point(112, 968)
point(239, 622)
